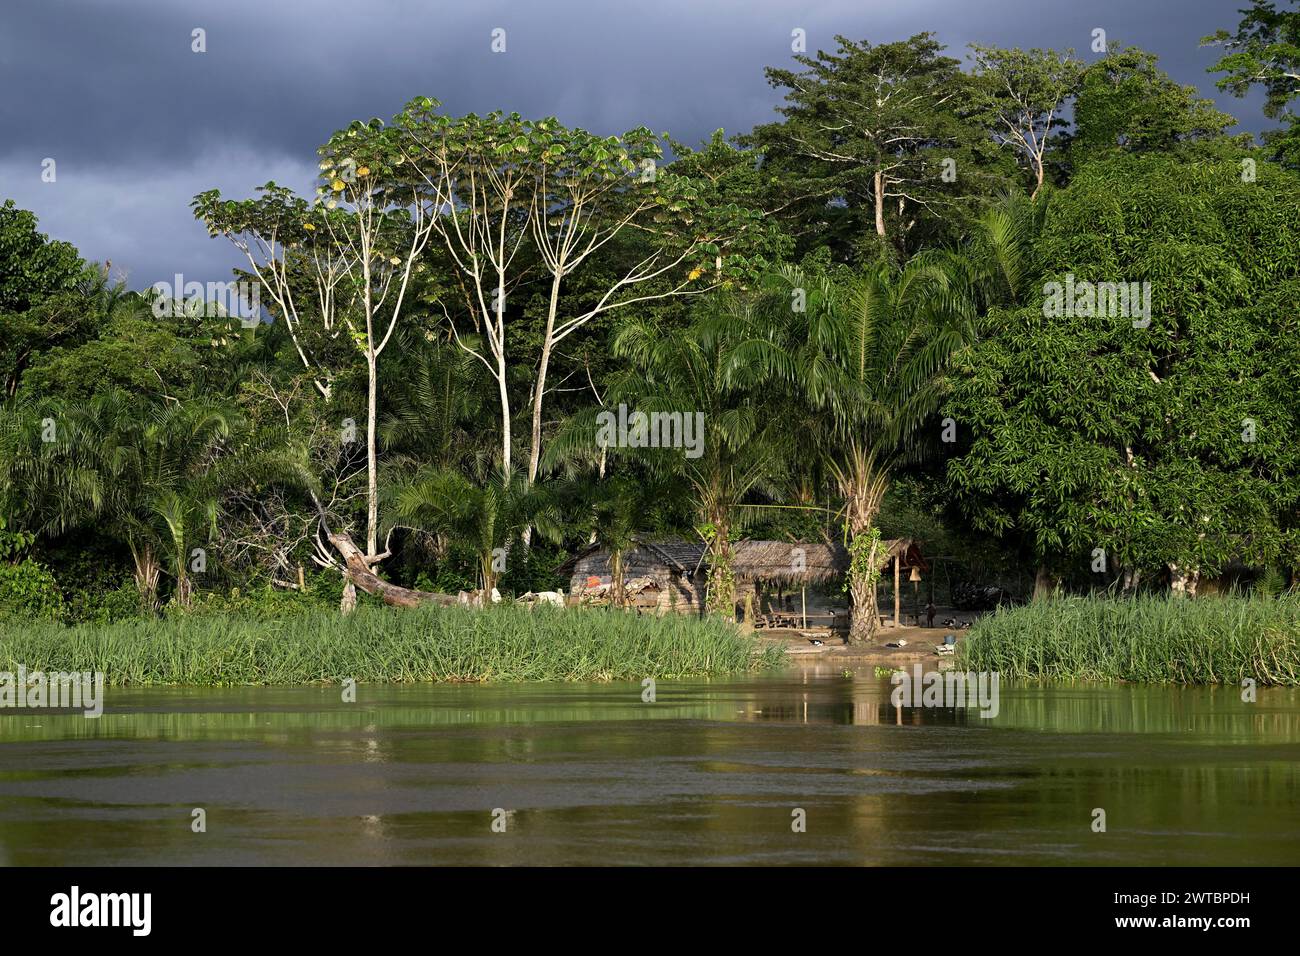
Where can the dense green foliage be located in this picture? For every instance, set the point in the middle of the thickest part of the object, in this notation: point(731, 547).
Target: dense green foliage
point(35, 267)
point(382, 644)
point(865, 134)
point(1169, 444)
point(859, 304)
point(1145, 639)
point(1264, 51)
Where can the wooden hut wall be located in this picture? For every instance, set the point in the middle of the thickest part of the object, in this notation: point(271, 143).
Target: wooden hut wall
point(673, 591)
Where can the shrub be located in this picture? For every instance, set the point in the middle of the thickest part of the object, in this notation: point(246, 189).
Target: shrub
point(28, 590)
point(105, 606)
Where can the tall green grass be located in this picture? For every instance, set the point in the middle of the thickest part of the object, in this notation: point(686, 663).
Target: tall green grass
point(1211, 640)
point(384, 644)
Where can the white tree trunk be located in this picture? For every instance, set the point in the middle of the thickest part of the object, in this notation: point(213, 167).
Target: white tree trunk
point(879, 181)
point(539, 387)
point(505, 415)
point(372, 459)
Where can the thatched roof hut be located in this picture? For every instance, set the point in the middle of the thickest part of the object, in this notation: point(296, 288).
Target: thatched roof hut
point(675, 567)
point(801, 564)
point(678, 567)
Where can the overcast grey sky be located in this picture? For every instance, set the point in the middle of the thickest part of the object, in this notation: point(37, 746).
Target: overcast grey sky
point(138, 123)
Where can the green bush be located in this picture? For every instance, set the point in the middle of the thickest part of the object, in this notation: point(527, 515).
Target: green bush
point(105, 606)
point(262, 602)
point(28, 590)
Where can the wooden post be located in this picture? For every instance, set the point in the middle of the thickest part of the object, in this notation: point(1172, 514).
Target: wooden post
point(875, 586)
point(803, 600)
point(898, 602)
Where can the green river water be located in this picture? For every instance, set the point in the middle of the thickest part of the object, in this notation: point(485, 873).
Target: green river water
point(712, 772)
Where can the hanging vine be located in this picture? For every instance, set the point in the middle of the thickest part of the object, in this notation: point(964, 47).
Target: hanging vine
point(864, 565)
point(720, 579)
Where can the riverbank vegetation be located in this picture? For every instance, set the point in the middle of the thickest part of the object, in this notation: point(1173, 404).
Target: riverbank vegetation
point(1144, 639)
point(387, 644)
point(1064, 356)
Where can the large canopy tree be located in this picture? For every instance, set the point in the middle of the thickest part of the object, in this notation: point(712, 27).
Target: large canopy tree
point(1126, 103)
point(592, 221)
point(1264, 52)
point(1023, 94)
point(885, 130)
point(1169, 448)
point(341, 266)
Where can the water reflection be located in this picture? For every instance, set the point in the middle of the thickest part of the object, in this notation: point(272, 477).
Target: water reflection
point(709, 773)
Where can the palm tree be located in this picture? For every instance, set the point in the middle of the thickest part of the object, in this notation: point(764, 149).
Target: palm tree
point(997, 263)
point(705, 370)
point(490, 517)
point(613, 511)
point(869, 357)
point(149, 475)
point(434, 418)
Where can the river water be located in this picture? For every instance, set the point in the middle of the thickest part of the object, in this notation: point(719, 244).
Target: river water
point(711, 772)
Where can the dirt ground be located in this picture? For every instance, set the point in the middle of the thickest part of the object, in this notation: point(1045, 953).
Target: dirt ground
point(919, 645)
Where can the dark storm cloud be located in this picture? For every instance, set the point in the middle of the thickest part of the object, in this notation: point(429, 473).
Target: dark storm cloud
point(138, 123)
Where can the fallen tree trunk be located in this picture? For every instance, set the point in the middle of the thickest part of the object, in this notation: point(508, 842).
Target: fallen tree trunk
point(359, 573)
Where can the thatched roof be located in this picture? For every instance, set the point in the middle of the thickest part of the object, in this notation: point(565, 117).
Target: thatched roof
point(794, 562)
point(676, 554)
point(684, 557)
point(798, 562)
